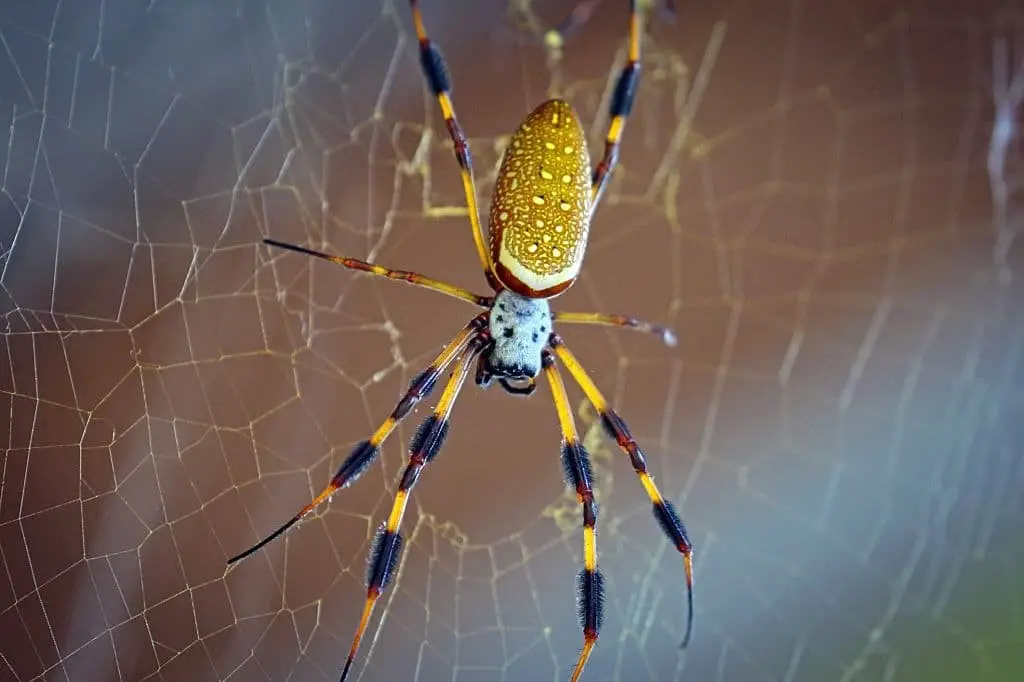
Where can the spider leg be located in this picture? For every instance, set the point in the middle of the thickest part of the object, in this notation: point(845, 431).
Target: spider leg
point(579, 475)
point(366, 451)
point(666, 334)
point(387, 546)
point(436, 73)
point(483, 372)
point(664, 512)
point(379, 270)
point(621, 106)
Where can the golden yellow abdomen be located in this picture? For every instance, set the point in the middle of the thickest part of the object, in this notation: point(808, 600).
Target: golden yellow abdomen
point(540, 210)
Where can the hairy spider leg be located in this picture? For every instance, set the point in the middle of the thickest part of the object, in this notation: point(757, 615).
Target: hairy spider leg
point(379, 270)
point(579, 475)
point(619, 110)
point(664, 511)
point(435, 70)
point(366, 451)
point(667, 335)
point(424, 446)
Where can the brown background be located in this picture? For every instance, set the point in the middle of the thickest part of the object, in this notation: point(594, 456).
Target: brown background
point(840, 426)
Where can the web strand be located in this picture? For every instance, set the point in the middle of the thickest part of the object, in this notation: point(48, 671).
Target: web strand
point(823, 200)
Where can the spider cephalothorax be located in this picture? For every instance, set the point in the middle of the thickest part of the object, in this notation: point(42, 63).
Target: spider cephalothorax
point(540, 216)
point(519, 328)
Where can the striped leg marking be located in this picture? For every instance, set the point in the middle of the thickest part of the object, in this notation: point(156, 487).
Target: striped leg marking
point(664, 512)
point(579, 475)
point(436, 73)
point(621, 106)
point(365, 452)
point(387, 545)
point(668, 337)
point(379, 270)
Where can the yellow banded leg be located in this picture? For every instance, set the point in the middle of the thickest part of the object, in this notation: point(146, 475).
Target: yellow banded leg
point(668, 337)
point(579, 475)
point(379, 270)
point(436, 73)
point(387, 545)
point(366, 451)
point(620, 108)
point(664, 511)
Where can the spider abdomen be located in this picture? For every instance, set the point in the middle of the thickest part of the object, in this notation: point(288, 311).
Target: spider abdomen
point(540, 210)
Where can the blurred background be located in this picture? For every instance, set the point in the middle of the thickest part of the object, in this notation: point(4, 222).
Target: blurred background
point(823, 199)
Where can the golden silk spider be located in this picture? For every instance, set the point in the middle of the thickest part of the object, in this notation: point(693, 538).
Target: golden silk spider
point(541, 208)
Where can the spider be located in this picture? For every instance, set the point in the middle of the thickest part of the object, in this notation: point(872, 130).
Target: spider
point(541, 208)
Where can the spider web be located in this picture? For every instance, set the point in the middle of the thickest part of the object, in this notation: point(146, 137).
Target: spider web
point(822, 198)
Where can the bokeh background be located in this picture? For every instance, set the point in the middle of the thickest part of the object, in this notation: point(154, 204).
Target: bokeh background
point(821, 198)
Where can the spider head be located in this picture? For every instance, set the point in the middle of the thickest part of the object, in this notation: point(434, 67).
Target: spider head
point(520, 328)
